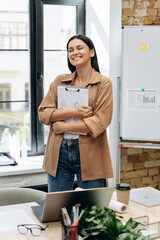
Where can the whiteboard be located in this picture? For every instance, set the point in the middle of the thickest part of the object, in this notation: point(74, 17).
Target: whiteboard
point(140, 85)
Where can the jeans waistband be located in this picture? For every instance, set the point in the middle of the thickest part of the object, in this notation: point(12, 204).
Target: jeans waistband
point(67, 140)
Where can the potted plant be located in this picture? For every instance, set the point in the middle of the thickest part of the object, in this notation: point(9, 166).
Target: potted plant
point(104, 224)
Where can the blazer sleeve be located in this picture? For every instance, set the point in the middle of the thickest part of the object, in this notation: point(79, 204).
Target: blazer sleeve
point(103, 110)
point(49, 104)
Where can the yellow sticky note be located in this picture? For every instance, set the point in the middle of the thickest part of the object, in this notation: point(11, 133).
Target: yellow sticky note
point(143, 47)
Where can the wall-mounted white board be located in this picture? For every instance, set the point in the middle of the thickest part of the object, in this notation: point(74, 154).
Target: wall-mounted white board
point(140, 85)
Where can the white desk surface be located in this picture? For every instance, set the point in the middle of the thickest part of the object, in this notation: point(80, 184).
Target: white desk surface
point(30, 165)
point(53, 232)
point(138, 210)
point(27, 173)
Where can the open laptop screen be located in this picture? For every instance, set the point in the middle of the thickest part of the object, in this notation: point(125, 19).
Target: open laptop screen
point(54, 202)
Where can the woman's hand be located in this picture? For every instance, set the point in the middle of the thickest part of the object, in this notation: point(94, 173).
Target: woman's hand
point(82, 112)
point(58, 127)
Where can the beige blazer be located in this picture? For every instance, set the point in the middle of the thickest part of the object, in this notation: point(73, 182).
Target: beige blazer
point(94, 149)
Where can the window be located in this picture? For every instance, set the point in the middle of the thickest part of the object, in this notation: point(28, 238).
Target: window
point(54, 51)
point(33, 35)
point(14, 72)
point(5, 96)
point(13, 35)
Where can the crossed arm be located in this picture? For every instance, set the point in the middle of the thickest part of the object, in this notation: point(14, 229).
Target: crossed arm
point(93, 123)
point(58, 117)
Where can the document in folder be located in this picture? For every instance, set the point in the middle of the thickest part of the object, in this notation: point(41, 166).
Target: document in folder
point(70, 97)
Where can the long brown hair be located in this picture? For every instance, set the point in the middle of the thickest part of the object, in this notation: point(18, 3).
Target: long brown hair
point(88, 41)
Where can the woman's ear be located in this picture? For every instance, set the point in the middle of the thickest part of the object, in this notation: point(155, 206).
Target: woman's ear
point(92, 53)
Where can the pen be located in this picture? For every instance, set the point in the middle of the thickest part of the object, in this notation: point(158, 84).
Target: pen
point(75, 226)
point(74, 230)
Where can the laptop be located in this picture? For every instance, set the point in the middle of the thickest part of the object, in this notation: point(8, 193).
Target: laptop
point(50, 209)
point(7, 160)
point(145, 197)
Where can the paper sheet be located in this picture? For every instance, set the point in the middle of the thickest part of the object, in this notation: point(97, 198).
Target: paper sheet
point(11, 218)
point(117, 206)
point(145, 100)
point(70, 97)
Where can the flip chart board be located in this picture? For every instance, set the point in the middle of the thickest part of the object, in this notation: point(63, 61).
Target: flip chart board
point(140, 85)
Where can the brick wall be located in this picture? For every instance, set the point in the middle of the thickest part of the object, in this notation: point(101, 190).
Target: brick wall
point(140, 167)
point(138, 12)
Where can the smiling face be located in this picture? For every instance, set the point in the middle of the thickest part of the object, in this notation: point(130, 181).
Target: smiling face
point(79, 53)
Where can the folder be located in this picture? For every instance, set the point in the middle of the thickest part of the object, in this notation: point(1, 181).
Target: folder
point(70, 97)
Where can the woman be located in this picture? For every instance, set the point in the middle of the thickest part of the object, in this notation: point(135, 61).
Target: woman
point(88, 155)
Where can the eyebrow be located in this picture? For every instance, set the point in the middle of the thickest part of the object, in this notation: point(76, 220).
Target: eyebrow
point(80, 45)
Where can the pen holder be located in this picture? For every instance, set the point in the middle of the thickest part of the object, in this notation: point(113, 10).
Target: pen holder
point(69, 232)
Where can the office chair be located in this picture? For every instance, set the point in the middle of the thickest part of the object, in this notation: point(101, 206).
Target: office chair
point(13, 195)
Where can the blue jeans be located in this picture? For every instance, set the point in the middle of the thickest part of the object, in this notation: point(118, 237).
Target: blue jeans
point(68, 166)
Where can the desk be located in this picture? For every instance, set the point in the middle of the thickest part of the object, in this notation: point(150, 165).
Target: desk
point(138, 210)
point(53, 232)
point(27, 173)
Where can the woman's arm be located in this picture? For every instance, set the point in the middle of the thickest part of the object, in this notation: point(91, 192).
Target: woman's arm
point(103, 109)
point(61, 127)
point(99, 121)
point(80, 112)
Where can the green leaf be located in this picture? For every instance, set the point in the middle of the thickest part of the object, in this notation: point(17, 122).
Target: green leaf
point(90, 219)
point(105, 224)
point(96, 221)
point(95, 233)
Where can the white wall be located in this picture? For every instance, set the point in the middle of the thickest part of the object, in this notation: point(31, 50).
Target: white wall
point(103, 25)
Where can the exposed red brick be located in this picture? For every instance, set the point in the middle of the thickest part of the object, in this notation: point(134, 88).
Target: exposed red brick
point(147, 180)
point(131, 151)
point(121, 175)
point(139, 165)
point(137, 21)
point(156, 20)
point(136, 182)
point(148, 150)
point(139, 5)
point(128, 12)
point(152, 12)
point(127, 4)
point(135, 174)
point(123, 151)
point(150, 4)
point(153, 171)
point(143, 157)
point(157, 4)
point(155, 185)
point(126, 181)
point(128, 167)
point(152, 164)
point(147, 21)
point(133, 158)
point(155, 155)
point(156, 178)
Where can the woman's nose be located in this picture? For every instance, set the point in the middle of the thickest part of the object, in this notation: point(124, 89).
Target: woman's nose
point(75, 51)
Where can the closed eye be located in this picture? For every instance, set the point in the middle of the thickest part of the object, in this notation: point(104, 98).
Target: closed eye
point(70, 50)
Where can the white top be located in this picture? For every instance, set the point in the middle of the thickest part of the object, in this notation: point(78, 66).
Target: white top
point(71, 135)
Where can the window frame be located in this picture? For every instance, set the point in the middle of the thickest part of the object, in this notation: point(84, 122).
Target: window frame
point(36, 62)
